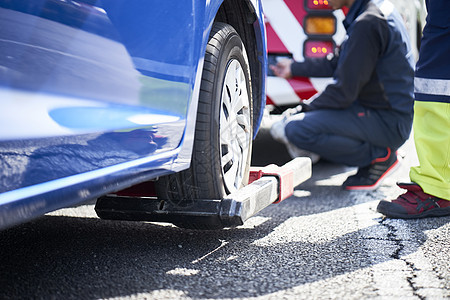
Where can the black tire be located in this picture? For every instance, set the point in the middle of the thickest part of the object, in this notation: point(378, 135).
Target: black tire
point(223, 136)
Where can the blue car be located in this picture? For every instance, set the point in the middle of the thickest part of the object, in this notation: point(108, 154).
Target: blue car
point(97, 96)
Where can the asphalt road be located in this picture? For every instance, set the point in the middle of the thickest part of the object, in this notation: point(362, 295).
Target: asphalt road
point(321, 243)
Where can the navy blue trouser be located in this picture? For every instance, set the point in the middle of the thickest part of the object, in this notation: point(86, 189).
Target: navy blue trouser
point(354, 136)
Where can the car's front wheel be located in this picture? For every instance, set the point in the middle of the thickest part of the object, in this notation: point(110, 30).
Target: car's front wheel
point(224, 128)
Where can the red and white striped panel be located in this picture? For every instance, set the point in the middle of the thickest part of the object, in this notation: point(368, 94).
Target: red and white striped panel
point(285, 35)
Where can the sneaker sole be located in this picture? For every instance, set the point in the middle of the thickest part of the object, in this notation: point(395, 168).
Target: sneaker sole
point(372, 187)
point(437, 212)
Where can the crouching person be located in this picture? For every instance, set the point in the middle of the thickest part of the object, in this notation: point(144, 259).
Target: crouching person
point(366, 113)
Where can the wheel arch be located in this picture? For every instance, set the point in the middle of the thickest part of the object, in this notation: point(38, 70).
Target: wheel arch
point(252, 32)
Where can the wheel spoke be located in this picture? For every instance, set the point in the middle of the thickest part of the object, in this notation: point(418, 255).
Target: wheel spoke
point(242, 131)
point(227, 160)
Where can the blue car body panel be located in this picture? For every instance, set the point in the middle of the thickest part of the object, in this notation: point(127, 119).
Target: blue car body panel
point(98, 95)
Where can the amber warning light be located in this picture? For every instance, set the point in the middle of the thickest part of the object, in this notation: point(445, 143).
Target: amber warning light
point(318, 48)
point(317, 4)
point(321, 25)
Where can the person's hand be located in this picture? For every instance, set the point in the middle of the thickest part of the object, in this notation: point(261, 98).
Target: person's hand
point(291, 111)
point(282, 68)
point(302, 107)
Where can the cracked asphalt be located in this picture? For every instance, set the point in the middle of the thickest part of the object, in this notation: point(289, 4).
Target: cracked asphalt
point(321, 243)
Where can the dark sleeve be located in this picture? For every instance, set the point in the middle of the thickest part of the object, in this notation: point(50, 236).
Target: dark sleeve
point(356, 64)
point(315, 67)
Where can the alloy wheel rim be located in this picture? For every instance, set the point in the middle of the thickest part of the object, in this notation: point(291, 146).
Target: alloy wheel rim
point(235, 122)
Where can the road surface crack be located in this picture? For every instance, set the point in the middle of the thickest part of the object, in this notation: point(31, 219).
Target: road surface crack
point(400, 246)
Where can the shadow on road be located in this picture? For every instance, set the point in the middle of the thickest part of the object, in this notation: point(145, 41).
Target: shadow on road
point(60, 257)
point(67, 257)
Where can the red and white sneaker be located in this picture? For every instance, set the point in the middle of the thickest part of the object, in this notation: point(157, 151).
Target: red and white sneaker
point(370, 177)
point(414, 204)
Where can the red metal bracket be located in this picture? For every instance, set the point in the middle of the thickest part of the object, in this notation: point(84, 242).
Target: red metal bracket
point(284, 175)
